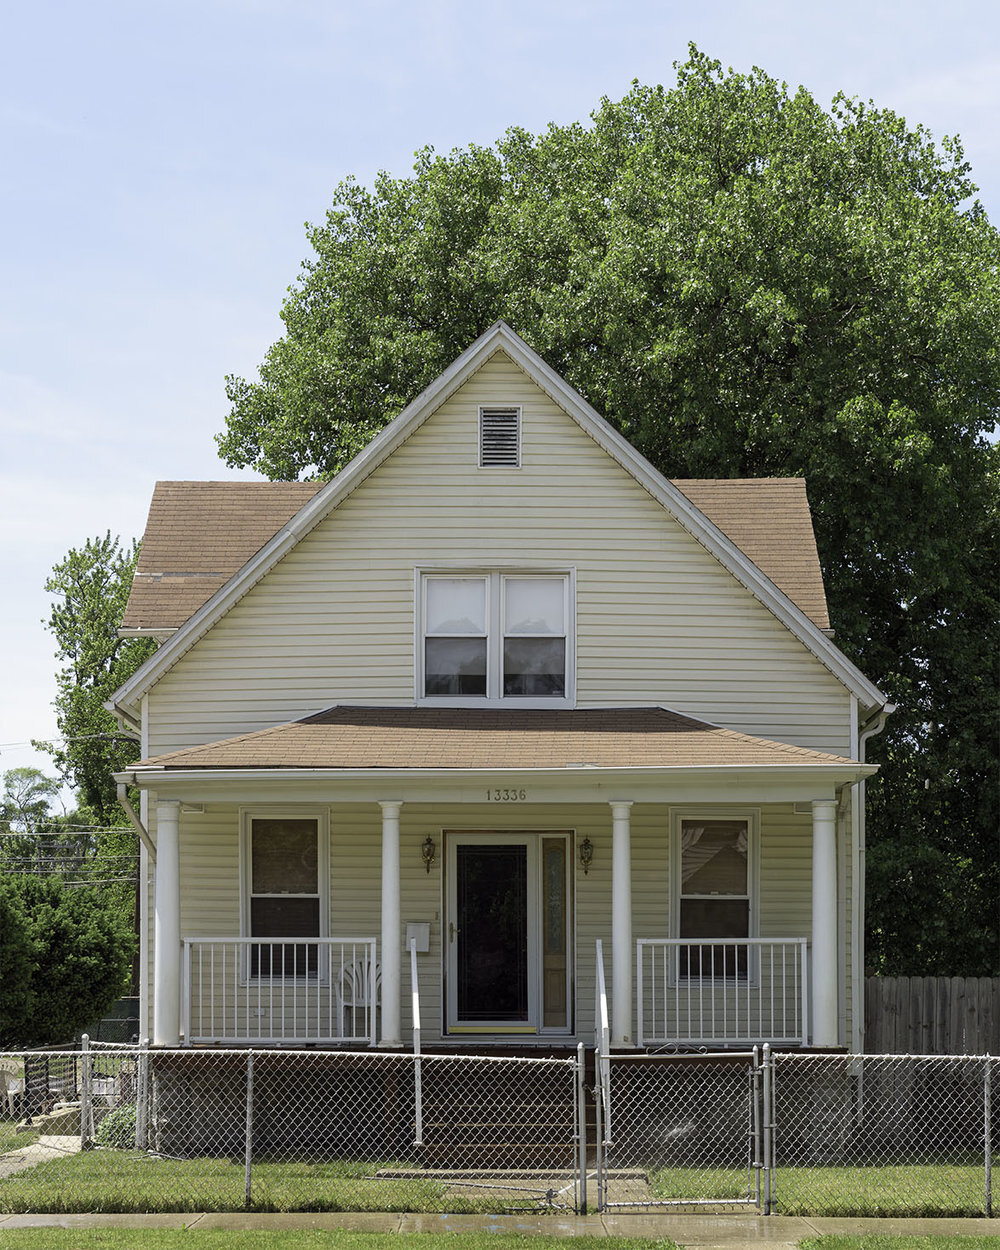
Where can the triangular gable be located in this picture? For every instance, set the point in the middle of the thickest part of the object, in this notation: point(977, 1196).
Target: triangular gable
point(498, 338)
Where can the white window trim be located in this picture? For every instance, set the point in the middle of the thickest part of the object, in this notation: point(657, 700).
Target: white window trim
point(287, 812)
point(752, 817)
point(494, 576)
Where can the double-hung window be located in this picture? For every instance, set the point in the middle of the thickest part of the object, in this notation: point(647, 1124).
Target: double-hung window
point(495, 636)
point(285, 866)
point(714, 875)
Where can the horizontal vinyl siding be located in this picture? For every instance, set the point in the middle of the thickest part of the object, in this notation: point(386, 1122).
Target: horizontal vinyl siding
point(658, 619)
point(210, 888)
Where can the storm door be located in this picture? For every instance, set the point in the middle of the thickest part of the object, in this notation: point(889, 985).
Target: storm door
point(508, 933)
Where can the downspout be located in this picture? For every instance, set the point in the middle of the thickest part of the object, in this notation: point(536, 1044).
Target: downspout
point(137, 824)
point(870, 729)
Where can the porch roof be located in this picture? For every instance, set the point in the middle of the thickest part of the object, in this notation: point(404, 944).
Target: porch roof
point(359, 738)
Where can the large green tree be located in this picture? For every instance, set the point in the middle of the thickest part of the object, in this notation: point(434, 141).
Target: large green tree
point(90, 588)
point(744, 283)
point(65, 954)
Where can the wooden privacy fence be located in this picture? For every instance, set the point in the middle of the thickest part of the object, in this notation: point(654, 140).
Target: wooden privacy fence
point(932, 1015)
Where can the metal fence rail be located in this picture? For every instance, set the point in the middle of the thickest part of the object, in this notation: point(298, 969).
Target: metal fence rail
point(283, 1130)
point(134, 1129)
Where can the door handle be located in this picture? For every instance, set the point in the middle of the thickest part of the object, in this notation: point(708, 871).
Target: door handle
point(452, 931)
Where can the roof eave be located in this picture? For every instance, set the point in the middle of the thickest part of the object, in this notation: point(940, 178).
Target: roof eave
point(498, 336)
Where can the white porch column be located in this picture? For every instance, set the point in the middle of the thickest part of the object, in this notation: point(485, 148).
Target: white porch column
point(167, 927)
point(621, 925)
point(391, 926)
point(824, 923)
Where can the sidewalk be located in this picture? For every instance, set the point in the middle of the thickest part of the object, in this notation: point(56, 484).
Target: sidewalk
point(701, 1232)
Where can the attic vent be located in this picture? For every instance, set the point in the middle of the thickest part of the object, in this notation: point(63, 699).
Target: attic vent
point(499, 437)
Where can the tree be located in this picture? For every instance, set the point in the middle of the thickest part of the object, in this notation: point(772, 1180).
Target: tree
point(744, 284)
point(65, 955)
point(91, 585)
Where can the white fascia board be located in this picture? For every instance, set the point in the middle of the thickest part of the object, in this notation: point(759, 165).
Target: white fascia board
point(697, 524)
point(760, 784)
point(317, 508)
point(498, 337)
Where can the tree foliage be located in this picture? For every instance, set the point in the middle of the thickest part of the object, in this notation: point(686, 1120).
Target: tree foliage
point(65, 955)
point(90, 588)
point(745, 284)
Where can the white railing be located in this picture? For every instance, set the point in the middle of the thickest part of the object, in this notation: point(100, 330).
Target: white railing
point(418, 1095)
point(722, 992)
point(602, 1048)
point(287, 990)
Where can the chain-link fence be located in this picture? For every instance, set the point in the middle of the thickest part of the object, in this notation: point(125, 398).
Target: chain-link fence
point(129, 1129)
point(681, 1131)
point(883, 1134)
point(796, 1134)
point(187, 1130)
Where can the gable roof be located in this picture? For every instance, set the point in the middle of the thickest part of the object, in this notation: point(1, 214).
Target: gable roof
point(495, 739)
point(200, 534)
point(499, 337)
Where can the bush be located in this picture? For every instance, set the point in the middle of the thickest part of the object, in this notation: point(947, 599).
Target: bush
point(65, 956)
point(117, 1130)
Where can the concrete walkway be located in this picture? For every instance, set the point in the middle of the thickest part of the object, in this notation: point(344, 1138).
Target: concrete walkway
point(701, 1232)
point(48, 1146)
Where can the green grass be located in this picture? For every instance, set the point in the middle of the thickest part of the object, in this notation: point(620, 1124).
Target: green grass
point(132, 1182)
point(306, 1239)
point(915, 1241)
point(900, 1190)
point(10, 1139)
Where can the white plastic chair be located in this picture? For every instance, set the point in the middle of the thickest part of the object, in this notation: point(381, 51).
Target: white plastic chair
point(357, 988)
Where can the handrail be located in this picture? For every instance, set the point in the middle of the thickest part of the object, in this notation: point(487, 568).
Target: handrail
point(280, 989)
point(602, 1044)
point(418, 1097)
point(696, 991)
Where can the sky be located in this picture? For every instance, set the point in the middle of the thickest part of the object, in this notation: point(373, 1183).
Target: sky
point(161, 159)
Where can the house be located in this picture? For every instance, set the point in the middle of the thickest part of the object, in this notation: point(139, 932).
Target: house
point(497, 718)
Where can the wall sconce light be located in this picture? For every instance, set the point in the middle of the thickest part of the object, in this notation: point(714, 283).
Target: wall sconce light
point(586, 855)
point(428, 852)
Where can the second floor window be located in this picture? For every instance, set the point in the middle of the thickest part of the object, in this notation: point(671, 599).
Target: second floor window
point(491, 636)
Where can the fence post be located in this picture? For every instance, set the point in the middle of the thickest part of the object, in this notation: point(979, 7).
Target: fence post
point(86, 1101)
point(987, 1118)
point(248, 1156)
point(142, 1097)
point(768, 1130)
point(599, 1122)
point(581, 1129)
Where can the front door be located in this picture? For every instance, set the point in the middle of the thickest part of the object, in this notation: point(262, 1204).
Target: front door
point(508, 933)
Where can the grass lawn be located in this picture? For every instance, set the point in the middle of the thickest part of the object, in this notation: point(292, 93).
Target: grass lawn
point(885, 1190)
point(212, 1239)
point(918, 1241)
point(132, 1182)
point(10, 1139)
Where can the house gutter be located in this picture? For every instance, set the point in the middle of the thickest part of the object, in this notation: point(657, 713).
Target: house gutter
point(870, 729)
point(136, 823)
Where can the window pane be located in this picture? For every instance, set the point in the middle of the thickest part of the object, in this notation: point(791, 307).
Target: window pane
point(534, 605)
point(714, 918)
point(456, 605)
point(713, 857)
point(534, 667)
point(455, 666)
point(284, 857)
point(284, 917)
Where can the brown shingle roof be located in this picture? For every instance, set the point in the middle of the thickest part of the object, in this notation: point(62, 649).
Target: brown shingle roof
point(768, 518)
point(370, 737)
point(199, 534)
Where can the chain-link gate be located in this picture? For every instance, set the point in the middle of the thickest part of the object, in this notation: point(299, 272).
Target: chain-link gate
point(680, 1131)
point(883, 1135)
point(195, 1130)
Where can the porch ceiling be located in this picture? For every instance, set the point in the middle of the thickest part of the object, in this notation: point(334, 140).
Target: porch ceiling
point(369, 738)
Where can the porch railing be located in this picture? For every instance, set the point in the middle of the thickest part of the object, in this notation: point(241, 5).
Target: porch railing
point(280, 990)
point(722, 992)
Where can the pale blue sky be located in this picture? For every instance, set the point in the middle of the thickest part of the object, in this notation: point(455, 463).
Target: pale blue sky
point(160, 158)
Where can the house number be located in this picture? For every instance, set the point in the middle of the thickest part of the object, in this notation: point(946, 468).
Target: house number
point(506, 796)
